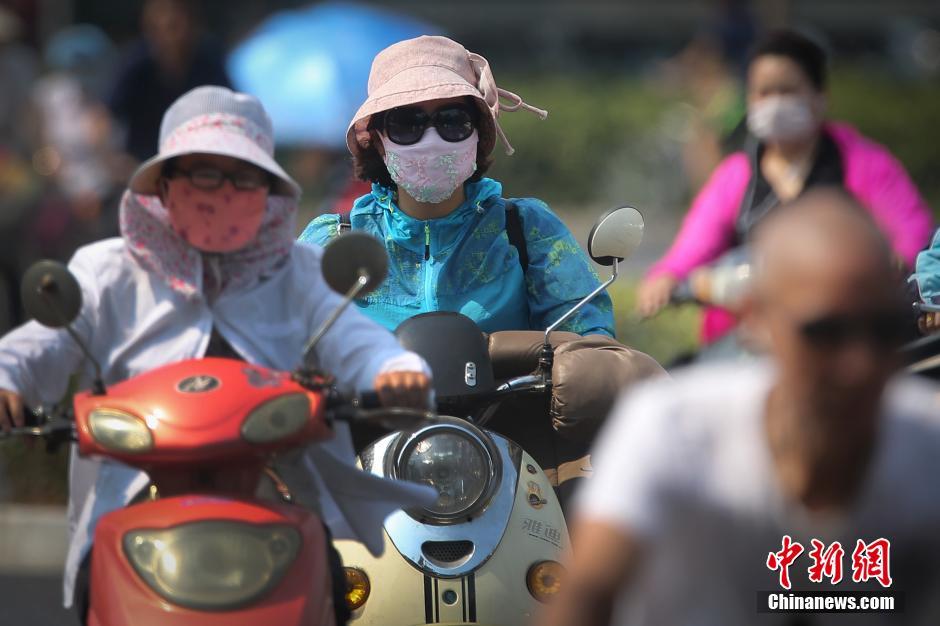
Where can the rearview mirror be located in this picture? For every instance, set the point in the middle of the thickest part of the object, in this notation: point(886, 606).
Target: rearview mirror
point(51, 294)
point(616, 235)
point(352, 259)
point(353, 265)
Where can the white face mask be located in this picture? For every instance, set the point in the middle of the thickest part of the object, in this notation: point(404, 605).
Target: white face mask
point(781, 118)
point(432, 169)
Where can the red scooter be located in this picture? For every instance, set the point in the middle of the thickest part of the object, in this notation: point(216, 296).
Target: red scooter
point(202, 549)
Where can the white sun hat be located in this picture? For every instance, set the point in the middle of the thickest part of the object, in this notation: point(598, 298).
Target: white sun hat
point(215, 120)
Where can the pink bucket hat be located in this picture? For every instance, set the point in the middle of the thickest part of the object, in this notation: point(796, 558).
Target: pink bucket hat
point(428, 68)
point(215, 120)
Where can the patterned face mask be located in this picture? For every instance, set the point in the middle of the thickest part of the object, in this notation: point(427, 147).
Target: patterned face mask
point(432, 169)
point(218, 220)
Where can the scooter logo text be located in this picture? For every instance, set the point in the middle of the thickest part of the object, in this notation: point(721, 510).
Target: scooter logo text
point(198, 384)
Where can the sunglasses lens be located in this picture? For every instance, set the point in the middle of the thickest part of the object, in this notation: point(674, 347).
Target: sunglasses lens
point(827, 332)
point(453, 124)
point(206, 178)
point(250, 180)
point(405, 126)
point(883, 331)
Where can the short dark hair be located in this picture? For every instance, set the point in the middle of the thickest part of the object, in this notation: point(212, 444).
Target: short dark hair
point(801, 50)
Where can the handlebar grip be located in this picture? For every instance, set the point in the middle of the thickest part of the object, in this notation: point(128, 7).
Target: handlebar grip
point(682, 293)
point(369, 400)
point(33, 417)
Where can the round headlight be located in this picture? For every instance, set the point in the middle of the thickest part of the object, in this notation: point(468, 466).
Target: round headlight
point(212, 565)
point(277, 418)
point(120, 431)
point(452, 461)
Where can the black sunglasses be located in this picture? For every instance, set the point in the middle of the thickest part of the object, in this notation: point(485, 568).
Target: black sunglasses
point(211, 178)
point(406, 125)
point(882, 330)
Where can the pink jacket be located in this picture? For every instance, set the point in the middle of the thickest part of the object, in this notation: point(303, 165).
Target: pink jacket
point(871, 174)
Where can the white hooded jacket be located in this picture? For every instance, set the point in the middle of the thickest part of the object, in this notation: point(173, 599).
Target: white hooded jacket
point(133, 321)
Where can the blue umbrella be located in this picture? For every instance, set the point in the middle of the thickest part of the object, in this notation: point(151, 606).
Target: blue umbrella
point(310, 66)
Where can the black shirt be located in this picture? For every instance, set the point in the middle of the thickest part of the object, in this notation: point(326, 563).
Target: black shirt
point(760, 199)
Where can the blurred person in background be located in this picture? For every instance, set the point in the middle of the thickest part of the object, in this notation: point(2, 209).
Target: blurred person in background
point(76, 147)
point(173, 57)
point(20, 185)
point(792, 148)
point(697, 479)
point(708, 75)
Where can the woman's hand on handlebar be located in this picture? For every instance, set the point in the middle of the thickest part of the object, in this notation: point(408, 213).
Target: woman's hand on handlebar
point(11, 410)
point(654, 293)
point(410, 390)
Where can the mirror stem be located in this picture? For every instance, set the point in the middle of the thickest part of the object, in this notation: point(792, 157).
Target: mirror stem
point(351, 295)
point(97, 385)
point(546, 358)
point(564, 318)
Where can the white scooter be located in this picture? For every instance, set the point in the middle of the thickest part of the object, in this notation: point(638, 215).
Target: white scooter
point(488, 550)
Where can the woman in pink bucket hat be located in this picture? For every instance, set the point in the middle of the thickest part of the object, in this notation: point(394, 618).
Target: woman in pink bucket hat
point(423, 138)
point(207, 265)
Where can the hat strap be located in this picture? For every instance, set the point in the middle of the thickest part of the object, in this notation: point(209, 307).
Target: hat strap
point(486, 85)
point(517, 104)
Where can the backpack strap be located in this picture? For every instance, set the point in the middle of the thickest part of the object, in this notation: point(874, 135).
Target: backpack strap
point(516, 234)
point(345, 223)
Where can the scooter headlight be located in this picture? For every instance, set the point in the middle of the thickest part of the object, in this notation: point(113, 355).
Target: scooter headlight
point(454, 461)
point(212, 565)
point(120, 431)
point(277, 418)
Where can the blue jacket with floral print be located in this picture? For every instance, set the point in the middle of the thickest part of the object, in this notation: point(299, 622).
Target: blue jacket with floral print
point(464, 262)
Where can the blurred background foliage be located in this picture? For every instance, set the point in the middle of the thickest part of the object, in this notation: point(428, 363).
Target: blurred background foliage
point(603, 126)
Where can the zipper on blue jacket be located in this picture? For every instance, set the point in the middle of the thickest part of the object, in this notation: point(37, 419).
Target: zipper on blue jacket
point(427, 241)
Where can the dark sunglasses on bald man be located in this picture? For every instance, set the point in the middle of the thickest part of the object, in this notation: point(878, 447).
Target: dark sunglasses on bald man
point(406, 125)
point(883, 330)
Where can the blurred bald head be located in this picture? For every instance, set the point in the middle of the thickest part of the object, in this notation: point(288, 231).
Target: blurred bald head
point(824, 237)
point(825, 300)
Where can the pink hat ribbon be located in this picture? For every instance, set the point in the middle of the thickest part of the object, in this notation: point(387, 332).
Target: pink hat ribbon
point(492, 95)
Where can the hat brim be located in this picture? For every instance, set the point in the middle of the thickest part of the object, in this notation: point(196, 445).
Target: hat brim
point(420, 84)
point(209, 141)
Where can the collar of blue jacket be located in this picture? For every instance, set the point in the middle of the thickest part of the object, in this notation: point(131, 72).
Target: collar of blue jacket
point(464, 262)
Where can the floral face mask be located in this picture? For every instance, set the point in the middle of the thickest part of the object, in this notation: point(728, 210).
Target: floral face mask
point(431, 169)
point(219, 220)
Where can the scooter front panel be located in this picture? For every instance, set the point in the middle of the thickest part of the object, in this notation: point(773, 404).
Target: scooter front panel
point(120, 596)
point(495, 592)
point(452, 549)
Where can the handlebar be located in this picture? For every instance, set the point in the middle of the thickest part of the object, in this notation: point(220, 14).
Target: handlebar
point(683, 294)
point(54, 428)
point(521, 384)
point(366, 407)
